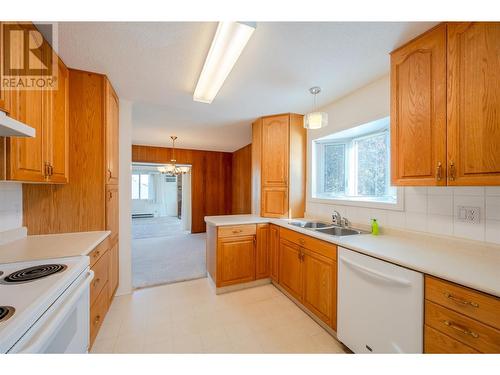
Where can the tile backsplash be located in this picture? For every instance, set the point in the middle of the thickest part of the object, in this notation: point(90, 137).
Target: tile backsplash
point(11, 206)
point(431, 209)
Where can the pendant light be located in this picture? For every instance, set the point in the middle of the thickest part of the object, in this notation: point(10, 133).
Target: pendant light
point(315, 120)
point(172, 169)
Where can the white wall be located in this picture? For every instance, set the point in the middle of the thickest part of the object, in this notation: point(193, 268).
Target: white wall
point(11, 206)
point(125, 237)
point(430, 209)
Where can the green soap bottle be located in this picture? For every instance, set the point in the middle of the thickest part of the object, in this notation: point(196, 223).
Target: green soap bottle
point(374, 227)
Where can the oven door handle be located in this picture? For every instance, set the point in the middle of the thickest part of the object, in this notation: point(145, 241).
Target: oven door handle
point(48, 329)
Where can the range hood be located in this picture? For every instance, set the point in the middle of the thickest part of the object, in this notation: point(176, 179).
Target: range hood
point(13, 128)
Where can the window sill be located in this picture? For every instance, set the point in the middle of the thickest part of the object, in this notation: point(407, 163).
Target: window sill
point(398, 206)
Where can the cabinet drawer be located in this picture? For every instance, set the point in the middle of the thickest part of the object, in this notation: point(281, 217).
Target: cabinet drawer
point(321, 247)
point(468, 331)
point(100, 277)
point(474, 304)
point(436, 342)
point(97, 313)
point(237, 230)
point(98, 252)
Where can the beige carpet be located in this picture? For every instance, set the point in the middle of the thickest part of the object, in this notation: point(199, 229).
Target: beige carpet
point(168, 255)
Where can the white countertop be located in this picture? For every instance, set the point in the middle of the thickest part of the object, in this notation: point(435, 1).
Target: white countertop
point(48, 246)
point(470, 263)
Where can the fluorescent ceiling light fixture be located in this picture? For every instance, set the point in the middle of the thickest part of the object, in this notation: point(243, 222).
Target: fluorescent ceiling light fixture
point(229, 41)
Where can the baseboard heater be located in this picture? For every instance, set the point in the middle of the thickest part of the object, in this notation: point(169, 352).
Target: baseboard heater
point(141, 216)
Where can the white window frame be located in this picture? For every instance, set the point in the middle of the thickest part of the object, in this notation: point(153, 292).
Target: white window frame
point(317, 169)
point(139, 188)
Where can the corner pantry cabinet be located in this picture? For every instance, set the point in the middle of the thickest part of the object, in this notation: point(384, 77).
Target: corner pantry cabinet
point(278, 166)
point(44, 158)
point(445, 95)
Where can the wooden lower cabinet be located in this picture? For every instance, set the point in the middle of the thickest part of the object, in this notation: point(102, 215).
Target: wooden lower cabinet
point(320, 275)
point(104, 263)
point(291, 269)
point(262, 261)
point(309, 274)
point(97, 313)
point(460, 319)
point(114, 266)
point(235, 260)
point(274, 251)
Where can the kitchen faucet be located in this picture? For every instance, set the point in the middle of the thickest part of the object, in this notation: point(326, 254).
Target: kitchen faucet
point(339, 220)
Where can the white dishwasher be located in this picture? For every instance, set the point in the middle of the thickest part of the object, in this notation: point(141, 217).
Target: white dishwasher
point(380, 305)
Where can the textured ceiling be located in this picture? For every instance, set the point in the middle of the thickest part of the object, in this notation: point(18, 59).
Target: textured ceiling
point(156, 66)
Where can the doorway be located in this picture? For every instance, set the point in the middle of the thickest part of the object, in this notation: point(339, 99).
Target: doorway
point(163, 248)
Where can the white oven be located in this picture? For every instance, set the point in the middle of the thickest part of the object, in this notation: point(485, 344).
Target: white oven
point(64, 326)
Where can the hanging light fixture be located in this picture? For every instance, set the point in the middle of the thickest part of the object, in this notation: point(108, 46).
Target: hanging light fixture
point(315, 120)
point(172, 169)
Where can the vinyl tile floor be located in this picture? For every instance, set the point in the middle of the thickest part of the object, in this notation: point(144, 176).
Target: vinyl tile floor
point(188, 317)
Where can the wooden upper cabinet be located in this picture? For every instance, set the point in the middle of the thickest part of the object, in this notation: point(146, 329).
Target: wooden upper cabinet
point(262, 261)
point(474, 103)
point(235, 260)
point(4, 94)
point(274, 251)
point(275, 146)
point(418, 110)
point(58, 130)
point(27, 156)
point(112, 141)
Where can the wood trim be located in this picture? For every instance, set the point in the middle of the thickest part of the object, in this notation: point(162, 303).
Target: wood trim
point(241, 181)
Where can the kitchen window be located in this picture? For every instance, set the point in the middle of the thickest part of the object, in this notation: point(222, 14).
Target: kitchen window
point(140, 186)
point(354, 166)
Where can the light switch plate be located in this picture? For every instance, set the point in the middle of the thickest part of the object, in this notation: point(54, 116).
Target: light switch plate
point(469, 214)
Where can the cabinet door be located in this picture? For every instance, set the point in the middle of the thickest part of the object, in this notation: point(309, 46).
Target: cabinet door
point(319, 286)
point(235, 260)
point(58, 126)
point(27, 156)
point(113, 270)
point(112, 205)
point(274, 202)
point(291, 269)
point(274, 247)
point(275, 139)
point(473, 103)
point(262, 252)
point(418, 111)
point(4, 94)
point(112, 123)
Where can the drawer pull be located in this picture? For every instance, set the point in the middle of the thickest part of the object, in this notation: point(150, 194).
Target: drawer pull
point(460, 329)
point(461, 301)
point(237, 231)
point(97, 253)
point(302, 241)
point(97, 281)
point(97, 319)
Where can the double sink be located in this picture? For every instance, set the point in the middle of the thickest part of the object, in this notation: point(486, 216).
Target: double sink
point(331, 229)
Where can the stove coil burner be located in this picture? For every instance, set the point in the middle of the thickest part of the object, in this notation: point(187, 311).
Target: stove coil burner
point(6, 312)
point(32, 273)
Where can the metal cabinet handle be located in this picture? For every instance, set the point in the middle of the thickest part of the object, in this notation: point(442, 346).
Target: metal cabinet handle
point(97, 253)
point(97, 281)
point(459, 300)
point(453, 172)
point(110, 194)
point(97, 319)
point(302, 241)
point(237, 231)
point(110, 174)
point(439, 172)
point(460, 329)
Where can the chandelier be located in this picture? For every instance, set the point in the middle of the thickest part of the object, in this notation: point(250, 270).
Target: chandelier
point(172, 169)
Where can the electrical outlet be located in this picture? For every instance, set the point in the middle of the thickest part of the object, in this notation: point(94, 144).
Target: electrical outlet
point(469, 214)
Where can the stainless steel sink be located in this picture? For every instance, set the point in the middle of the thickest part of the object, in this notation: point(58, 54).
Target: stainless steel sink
point(310, 224)
point(340, 231)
